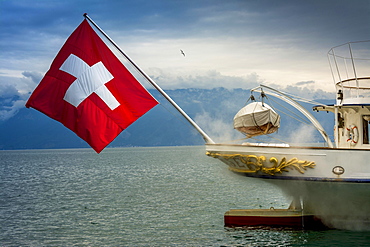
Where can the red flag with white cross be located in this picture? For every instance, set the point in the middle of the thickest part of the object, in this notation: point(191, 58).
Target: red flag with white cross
point(90, 91)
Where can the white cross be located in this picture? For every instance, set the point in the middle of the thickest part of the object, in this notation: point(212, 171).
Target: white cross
point(88, 80)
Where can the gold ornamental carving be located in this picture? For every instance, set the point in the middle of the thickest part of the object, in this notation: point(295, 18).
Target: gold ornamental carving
point(253, 163)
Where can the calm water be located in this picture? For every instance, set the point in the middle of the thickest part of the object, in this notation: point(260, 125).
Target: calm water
point(163, 196)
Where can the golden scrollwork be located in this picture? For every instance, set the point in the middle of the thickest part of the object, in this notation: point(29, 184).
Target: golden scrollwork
point(253, 163)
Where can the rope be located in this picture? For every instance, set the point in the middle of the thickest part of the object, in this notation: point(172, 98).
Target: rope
point(298, 98)
point(297, 117)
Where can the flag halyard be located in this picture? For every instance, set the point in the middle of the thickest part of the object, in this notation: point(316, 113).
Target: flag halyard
point(90, 91)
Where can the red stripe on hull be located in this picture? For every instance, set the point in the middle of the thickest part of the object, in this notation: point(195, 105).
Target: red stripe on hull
point(273, 218)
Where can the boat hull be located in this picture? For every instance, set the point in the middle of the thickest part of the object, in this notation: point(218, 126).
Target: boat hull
point(333, 184)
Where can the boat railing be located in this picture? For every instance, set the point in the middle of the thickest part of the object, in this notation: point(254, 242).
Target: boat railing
point(355, 88)
point(350, 67)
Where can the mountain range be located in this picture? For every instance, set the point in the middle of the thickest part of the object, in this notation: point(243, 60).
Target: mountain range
point(212, 109)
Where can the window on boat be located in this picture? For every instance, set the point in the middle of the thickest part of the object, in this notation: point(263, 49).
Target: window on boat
point(366, 128)
point(340, 121)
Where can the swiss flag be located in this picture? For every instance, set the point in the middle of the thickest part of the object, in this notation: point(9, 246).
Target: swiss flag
point(89, 90)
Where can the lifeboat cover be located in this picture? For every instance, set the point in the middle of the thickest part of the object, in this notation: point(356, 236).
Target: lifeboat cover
point(257, 118)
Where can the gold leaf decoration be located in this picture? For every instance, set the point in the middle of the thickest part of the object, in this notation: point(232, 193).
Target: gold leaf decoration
point(253, 163)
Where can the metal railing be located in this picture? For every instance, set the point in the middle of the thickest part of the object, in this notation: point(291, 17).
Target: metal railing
point(350, 67)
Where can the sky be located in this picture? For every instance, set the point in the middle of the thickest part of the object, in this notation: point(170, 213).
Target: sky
point(231, 44)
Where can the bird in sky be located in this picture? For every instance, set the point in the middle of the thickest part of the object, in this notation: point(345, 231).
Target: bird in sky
point(182, 52)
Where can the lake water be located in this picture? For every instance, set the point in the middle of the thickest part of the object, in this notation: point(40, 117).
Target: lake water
point(162, 196)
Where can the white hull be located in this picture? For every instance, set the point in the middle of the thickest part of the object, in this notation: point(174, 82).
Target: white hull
point(309, 174)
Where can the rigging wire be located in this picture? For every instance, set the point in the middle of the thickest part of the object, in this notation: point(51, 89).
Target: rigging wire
point(304, 100)
point(287, 112)
point(297, 117)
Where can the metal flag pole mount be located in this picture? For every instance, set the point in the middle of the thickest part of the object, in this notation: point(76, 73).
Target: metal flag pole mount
point(206, 138)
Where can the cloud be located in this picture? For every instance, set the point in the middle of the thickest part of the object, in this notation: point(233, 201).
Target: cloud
point(10, 101)
point(305, 90)
point(7, 112)
point(8, 91)
point(301, 83)
point(203, 79)
point(214, 79)
point(14, 92)
point(220, 130)
point(34, 76)
point(301, 133)
point(232, 56)
point(283, 43)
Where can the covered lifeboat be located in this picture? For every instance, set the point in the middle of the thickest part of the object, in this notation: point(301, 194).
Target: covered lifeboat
point(257, 118)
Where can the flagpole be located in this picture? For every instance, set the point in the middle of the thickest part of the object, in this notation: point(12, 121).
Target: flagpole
point(206, 138)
